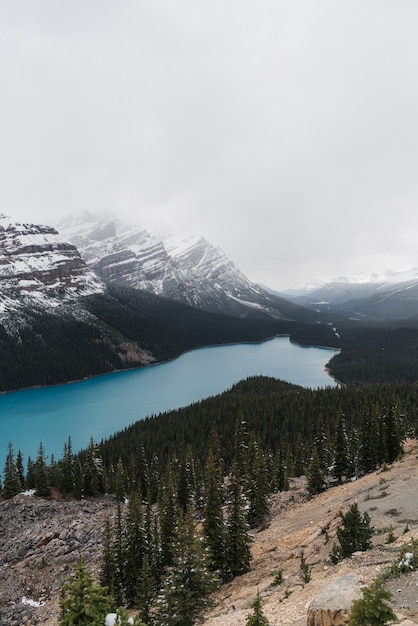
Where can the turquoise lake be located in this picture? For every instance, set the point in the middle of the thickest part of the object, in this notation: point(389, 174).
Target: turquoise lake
point(102, 405)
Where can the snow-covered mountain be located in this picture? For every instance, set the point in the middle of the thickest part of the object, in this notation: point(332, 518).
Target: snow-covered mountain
point(38, 267)
point(191, 271)
point(392, 295)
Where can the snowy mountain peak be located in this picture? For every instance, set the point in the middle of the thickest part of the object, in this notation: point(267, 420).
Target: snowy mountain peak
point(190, 270)
point(38, 266)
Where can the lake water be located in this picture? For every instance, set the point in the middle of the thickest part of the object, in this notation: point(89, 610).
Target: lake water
point(100, 406)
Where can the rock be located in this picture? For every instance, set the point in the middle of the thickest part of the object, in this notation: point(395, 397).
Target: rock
point(332, 606)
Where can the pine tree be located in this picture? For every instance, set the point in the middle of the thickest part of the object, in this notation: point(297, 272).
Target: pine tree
point(78, 480)
point(238, 541)
point(83, 602)
point(188, 580)
point(354, 534)
point(11, 482)
point(281, 482)
point(135, 548)
point(213, 522)
point(107, 574)
point(316, 482)
point(320, 442)
point(120, 481)
point(392, 435)
point(92, 470)
point(258, 484)
point(168, 513)
point(20, 470)
point(30, 474)
point(257, 617)
point(372, 609)
point(368, 447)
point(119, 557)
point(341, 458)
point(67, 469)
point(41, 481)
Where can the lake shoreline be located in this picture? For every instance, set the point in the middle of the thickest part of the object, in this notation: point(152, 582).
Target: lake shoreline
point(170, 360)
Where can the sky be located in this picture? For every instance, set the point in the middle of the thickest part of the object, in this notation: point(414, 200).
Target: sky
point(284, 131)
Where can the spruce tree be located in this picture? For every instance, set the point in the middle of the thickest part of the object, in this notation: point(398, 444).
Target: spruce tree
point(107, 574)
point(11, 482)
point(372, 609)
point(20, 470)
point(67, 469)
point(92, 470)
point(354, 534)
point(135, 548)
point(83, 602)
point(188, 581)
point(257, 617)
point(41, 480)
point(316, 482)
point(341, 458)
point(368, 453)
point(213, 522)
point(393, 435)
point(238, 541)
point(258, 484)
point(168, 514)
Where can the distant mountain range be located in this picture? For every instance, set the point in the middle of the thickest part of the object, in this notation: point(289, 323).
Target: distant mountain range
point(378, 297)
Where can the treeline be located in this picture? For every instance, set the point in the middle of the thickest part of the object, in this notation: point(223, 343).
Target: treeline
point(286, 422)
point(380, 353)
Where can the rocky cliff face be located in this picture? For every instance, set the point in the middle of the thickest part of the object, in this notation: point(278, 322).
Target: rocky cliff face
point(191, 271)
point(38, 266)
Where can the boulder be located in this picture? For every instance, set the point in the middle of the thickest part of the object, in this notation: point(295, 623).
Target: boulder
point(333, 605)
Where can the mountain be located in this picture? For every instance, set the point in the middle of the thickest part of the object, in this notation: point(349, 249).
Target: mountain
point(191, 271)
point(378, 297)
point(40, 268)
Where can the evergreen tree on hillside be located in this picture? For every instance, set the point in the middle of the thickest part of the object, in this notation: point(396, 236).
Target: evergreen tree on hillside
point(41, 480)
point(354, 534)
point(67, 469)
point(11, 482)
point(341, 459)
point(258, 483)
point(83, 602)
point(368, 454)
point(213, 522)
point(320, 442)
point(92, 470)
point(188, 581)
point(316, 481)
point(257, 617)
point(393, 435)
point(372, 609)
point(135, 548)
point(238, 541)
point(20, 469)
point(168, 515)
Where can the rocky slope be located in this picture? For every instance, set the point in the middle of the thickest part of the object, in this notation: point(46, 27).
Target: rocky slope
point(40, 541)
point(38, 267)
point(191, 271)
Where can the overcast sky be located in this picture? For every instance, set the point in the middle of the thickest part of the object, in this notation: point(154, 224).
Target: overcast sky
point(285, 131)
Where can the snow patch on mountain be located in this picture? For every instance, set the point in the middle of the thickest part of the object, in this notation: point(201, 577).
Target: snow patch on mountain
point(39, 268)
